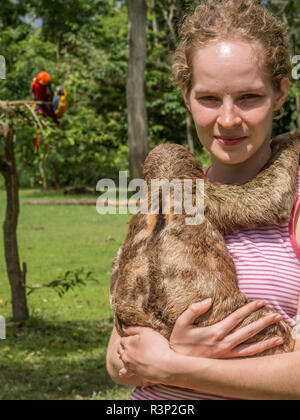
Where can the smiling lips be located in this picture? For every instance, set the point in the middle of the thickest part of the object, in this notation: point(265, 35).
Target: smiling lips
point(230, 141)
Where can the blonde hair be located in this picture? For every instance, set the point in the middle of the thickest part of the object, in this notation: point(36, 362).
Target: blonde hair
point(244, 20)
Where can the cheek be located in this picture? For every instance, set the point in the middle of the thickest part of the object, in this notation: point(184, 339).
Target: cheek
point(203, 118)
point(260, 117)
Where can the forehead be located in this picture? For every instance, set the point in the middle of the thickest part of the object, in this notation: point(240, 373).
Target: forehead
point(228, 66)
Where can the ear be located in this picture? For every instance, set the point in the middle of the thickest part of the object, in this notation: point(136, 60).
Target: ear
point(281, 96)
point(185, 97)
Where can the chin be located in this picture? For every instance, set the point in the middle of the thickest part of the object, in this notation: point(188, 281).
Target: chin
point(233, 161)
point(236, 155)
point(233, 157)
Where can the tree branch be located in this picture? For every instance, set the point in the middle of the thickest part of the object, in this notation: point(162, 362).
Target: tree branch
point(4, 106)
point(35, 117)
point(8, 106)
point(25, 102)
point(5, 128)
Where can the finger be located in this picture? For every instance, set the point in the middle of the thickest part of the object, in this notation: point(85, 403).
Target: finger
point(245, 333)
point(188, 317)
point(247, 350)
point(132, 330)
point(126, 341)
point(135, 330)
point(124, 372)
point(233, 320)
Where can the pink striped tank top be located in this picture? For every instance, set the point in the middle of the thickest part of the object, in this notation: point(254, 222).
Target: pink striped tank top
point(267, 262)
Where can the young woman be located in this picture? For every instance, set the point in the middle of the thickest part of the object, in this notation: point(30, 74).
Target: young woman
point(234, 69)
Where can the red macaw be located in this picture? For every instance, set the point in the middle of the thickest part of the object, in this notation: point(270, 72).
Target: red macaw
point(41, 90)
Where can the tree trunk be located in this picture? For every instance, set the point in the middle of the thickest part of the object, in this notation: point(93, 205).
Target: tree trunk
point(169, 15)
point(154, 23)
point(43, 175)
point(189, 133)
point(17, 277)
point(57, 41)
point(56, 168)
point(136, 97)
point(155, 28)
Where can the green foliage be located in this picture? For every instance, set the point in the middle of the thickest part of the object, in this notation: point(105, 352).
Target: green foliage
point(70, 280)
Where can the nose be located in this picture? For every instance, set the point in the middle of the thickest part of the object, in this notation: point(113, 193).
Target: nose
point(228, 116)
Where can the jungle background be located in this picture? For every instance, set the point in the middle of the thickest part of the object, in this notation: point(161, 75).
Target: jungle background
point(58, 351)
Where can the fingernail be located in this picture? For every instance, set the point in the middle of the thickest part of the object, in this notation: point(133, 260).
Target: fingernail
point(278, 341)
point(277, 317)
point(260, 304)
point(207, 302)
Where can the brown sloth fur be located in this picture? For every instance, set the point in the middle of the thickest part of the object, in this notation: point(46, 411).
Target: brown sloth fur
point(166, 265)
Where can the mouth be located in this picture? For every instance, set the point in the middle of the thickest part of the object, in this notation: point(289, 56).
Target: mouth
point(230, 141)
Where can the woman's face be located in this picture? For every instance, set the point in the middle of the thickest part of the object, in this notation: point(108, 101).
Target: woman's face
point(231, 101)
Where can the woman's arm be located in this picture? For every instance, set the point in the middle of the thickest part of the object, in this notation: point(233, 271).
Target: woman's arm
point(147, 353)
point(266, 378)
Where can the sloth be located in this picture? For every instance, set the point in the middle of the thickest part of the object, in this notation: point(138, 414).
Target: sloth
point(165, 264)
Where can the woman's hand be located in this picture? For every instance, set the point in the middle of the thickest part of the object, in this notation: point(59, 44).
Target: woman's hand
point(218, 341)
point(145, 353)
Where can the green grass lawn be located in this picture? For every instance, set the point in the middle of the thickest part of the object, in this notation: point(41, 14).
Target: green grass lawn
point(60, 353)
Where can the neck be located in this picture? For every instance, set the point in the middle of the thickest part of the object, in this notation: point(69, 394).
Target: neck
point(240, 173)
